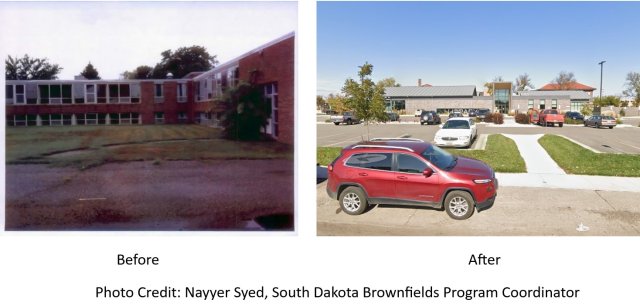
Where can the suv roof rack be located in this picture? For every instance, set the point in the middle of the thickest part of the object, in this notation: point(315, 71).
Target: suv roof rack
point(383, 147)
point(397, 139)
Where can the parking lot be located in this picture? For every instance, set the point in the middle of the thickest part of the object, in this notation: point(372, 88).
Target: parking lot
point(617, 140)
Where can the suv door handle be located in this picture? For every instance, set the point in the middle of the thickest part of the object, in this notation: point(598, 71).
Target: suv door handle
point(362, 174)
point(402, 177)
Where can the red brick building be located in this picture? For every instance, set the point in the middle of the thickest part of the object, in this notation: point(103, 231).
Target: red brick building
point(167, 101)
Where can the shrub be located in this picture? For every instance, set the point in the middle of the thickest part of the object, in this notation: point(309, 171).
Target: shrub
point(498, 118)
point(247, 113)
point(522, 119)
point(622, 112)
point(568, 120)
point(618, 121)
point(488, 118)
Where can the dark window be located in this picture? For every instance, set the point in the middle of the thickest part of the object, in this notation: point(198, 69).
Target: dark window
point(410, 164)
point(102, 93)
point(113, 93)
point(378, 161)
point(66, 94)
point(44, 93)
point(158, 90)
point(439, 157)
point(124, 90)
point(8, 91)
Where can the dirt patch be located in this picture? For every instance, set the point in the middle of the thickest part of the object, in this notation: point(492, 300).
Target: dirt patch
point(625, 216)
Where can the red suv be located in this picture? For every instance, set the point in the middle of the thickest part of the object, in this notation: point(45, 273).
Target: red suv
point(404, 171)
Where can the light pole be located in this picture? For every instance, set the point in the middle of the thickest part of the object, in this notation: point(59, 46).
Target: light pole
point(596, 110)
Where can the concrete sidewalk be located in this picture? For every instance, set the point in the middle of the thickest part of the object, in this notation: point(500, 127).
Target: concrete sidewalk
point(564, 181)
point(535, 157)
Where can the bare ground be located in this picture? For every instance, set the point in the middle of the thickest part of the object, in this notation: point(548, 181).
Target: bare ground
point(167, 195)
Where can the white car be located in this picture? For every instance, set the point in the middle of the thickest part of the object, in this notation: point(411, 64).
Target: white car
point(456, 132)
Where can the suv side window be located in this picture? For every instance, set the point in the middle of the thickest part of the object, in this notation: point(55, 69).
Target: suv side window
point(410, 164)
point(376, 161)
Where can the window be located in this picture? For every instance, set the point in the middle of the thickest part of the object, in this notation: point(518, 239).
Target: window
point(45, 119)
point(218, 85)
point(43, 92)
point(8, 93)
point(135, 93)
point(576, 106)
point(78, 93)
point(410, 164)
point(232, 76)
point(182, 92)
point(197, 91)
point(32, 94)
point(20, 120)
point(114, 118)
point(375, 161)
point(113, 93)
point(20, 94)
point(55, 119)
point(32, 120)
point(554, 104)
point(159, 118)
point(541, 103)
point(158, 94)
point(80, 119)
point(530, 104)
point(102, 93)
point(91, 119)
point(271, 96)
point(90, 93)
point(182, 117)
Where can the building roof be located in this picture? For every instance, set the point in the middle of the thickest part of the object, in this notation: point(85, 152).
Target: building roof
point(569, 86)
point(573, 94)
point(433, 91)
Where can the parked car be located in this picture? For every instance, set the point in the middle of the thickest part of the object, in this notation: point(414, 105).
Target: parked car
point(393, 116)
point(550, 116)
point(574, 115)
point(346, 117)
point(456, 132)
point(455, 114)
point(430, 117)
point(482, 113)
point(410, 172)
point(600, 121)
point(473, 112)
point(418, 112)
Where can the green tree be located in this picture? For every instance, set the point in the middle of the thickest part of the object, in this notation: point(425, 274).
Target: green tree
point(564, 79)
point(489, 85)
point(27, 68)
point(140, 73)
point(632, 89)
point(607, 101)
point(90, 72)
point(365, 97)
point(388, 82)
point(183, 61)
point(587, 109)
point(523, 82)
point(247, 112)
point(337, 102)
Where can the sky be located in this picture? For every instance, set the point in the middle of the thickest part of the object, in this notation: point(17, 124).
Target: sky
point(470, 43)
point(116, 37)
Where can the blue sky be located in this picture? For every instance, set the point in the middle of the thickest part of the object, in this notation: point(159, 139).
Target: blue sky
point(468, 43)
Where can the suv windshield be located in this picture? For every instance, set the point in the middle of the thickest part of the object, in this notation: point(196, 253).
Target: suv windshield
point(456, 124)
point(439, 157)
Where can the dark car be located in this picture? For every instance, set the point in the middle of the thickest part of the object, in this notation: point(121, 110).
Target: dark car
point(473, 112)
point(393, 116)
point(429, 117)
point(482, 113)
point(410, 172)
point(598, 120)
point(574, 115)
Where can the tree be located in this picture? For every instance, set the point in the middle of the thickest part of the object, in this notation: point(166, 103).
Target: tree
point(633, 87)
point(90, 72)
point(607, 101)
point(564, 79)
point(247, 113)
point(183, 61)
point(365, 97)
point(587, 109)
point(337, 102)
point(27, 68)
point(388, 82)
point(523, 82)
point(489, 85)
point(140, 73)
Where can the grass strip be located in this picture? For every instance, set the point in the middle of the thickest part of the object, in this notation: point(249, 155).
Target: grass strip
point(575, 159)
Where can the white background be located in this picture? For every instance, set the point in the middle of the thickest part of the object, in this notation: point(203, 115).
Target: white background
point(64, 268)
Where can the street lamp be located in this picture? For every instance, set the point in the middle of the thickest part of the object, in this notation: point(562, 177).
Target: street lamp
point(596, 110)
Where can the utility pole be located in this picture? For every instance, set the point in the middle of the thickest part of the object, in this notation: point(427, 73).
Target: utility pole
point(596, 109)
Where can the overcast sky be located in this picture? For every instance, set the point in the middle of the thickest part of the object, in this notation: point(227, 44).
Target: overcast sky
point(121, 36)
point(469, 43)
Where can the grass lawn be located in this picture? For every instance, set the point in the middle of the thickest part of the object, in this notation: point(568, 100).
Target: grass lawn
point(578, 160)
point(96, 145)
point(501, 154)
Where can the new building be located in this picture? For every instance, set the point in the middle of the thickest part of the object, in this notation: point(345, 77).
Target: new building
point(192, 99)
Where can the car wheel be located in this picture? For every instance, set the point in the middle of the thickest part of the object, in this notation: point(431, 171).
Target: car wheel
point(421, 123)
point(610, 127)
point(336, 123)
point(349, 122)
point(597, 125)
point(353, 201)
point(560, 124)
point(459, 205)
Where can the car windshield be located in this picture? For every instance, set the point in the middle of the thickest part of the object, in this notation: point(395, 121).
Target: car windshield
point(439, 157)
point(456, 124)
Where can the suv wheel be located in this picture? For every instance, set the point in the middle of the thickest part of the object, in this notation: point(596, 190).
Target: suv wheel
point(353, 201)
point(459, 205)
